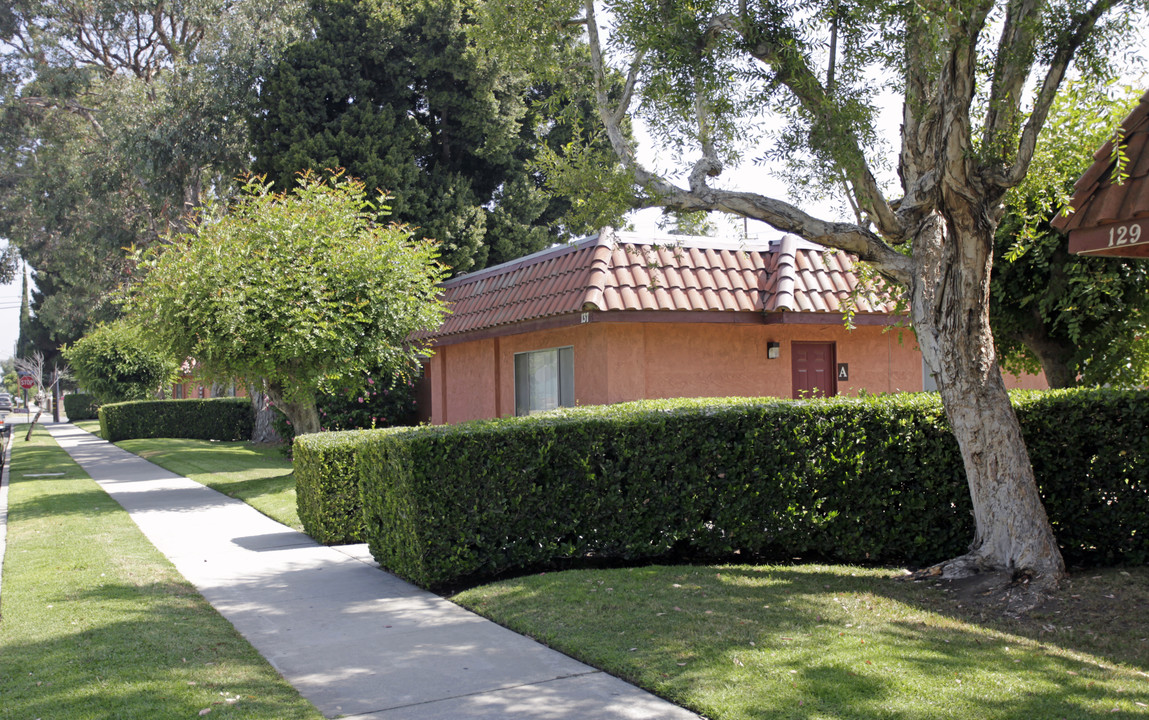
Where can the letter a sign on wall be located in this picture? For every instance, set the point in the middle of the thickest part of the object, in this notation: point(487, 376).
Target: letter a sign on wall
point(843, 371)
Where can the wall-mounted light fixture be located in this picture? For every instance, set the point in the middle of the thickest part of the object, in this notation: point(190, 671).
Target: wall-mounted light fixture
point(773, 350)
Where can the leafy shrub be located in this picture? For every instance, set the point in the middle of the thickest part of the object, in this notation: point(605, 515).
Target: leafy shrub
point(114, 363)
point(79, 406)
point(875, 479)
point(212, 419)
point(1090, 453)
point(648, 479)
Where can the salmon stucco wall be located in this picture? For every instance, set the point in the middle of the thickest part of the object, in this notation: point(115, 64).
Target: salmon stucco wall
point(463, 382)
point(623, 361)
point(718, 360)
point(1025, 382)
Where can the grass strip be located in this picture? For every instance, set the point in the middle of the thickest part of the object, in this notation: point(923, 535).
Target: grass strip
point(815, 641)
point(92, 426)
point(259, 475)
point(97, 623)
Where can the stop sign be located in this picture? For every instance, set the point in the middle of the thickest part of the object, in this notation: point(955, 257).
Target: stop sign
point(27, 381)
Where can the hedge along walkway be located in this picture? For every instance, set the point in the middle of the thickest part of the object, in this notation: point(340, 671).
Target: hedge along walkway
point(357, 642)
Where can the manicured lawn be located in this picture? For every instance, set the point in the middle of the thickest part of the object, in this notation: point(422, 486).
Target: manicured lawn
point(815, 641)
point(97, 624)
point(259, 475)
point(803, 641)
point(92, 426)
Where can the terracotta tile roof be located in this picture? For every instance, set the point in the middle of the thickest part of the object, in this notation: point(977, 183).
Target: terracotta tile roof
point(1097, 201)
point(616, 271)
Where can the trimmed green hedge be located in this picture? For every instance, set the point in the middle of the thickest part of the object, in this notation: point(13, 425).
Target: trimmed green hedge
point(878, 480)
point(1090, 453)
point(327, 485)
point(212, 419)
point(79, 406)
point(856, 480)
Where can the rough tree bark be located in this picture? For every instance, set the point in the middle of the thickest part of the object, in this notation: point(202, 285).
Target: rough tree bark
point(263, 430)
point(300, 412)
point(950, 312)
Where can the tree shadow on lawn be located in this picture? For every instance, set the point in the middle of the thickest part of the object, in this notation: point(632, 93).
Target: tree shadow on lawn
point(41, 460)
point(255, 487)
point(802, 641)
point(207, 456)
point(171, 661)
point(201, 460)
point(90, 502)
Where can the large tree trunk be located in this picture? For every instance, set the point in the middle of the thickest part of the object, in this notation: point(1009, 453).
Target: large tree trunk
point(300, 411)
point(263, 430)
point(1055, 358)
point(950, 307)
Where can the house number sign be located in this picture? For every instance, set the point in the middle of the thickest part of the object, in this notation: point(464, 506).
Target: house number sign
point(1126, 234)
point(1126, 239)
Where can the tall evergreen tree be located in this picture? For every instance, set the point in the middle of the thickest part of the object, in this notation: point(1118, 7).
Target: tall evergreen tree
point(398, 95)
point(24, 344)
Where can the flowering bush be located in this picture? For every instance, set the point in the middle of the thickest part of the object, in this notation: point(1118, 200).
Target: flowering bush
point(382, 401)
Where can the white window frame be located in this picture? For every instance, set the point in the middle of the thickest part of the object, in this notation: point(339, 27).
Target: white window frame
point(544, 380)
point(929, 377)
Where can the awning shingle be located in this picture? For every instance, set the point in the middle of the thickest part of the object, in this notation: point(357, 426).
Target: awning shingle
point(622, 271)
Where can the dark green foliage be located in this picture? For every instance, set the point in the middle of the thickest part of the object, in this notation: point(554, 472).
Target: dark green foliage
point(78, 406)
point(399, 96)
point(384, 400)
point(648, 479)
point(214, 419)
point(868, 480)
point(327, 486)
point(1090, 453)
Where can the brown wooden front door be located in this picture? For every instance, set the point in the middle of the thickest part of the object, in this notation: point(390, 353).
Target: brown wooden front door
point(813, 369)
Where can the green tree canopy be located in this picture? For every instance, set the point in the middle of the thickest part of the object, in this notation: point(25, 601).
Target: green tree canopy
point(116, 121)
point(1073, 316)
point(398, 94)
point(114, 362)
point(292, 288)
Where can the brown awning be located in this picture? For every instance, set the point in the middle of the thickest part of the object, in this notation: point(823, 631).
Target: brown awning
point(1113, 219)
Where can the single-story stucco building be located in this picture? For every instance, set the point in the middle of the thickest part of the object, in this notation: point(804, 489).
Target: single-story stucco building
point(618, 317)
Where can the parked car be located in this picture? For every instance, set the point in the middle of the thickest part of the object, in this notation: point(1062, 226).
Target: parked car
point(5, 403)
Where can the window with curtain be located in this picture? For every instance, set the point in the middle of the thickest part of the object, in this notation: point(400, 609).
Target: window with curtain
point(544, 380)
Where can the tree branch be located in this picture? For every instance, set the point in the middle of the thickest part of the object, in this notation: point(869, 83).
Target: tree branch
point(791, 70)
point(611, 119)
point(627, 88)
point(778, 214)
point(708, 165)
point(75, 108)
point(1011, 68)
point(782, 216)
point(1049, 87)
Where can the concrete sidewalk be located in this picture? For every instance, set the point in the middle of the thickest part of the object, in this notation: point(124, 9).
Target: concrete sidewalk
point(354, 640)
